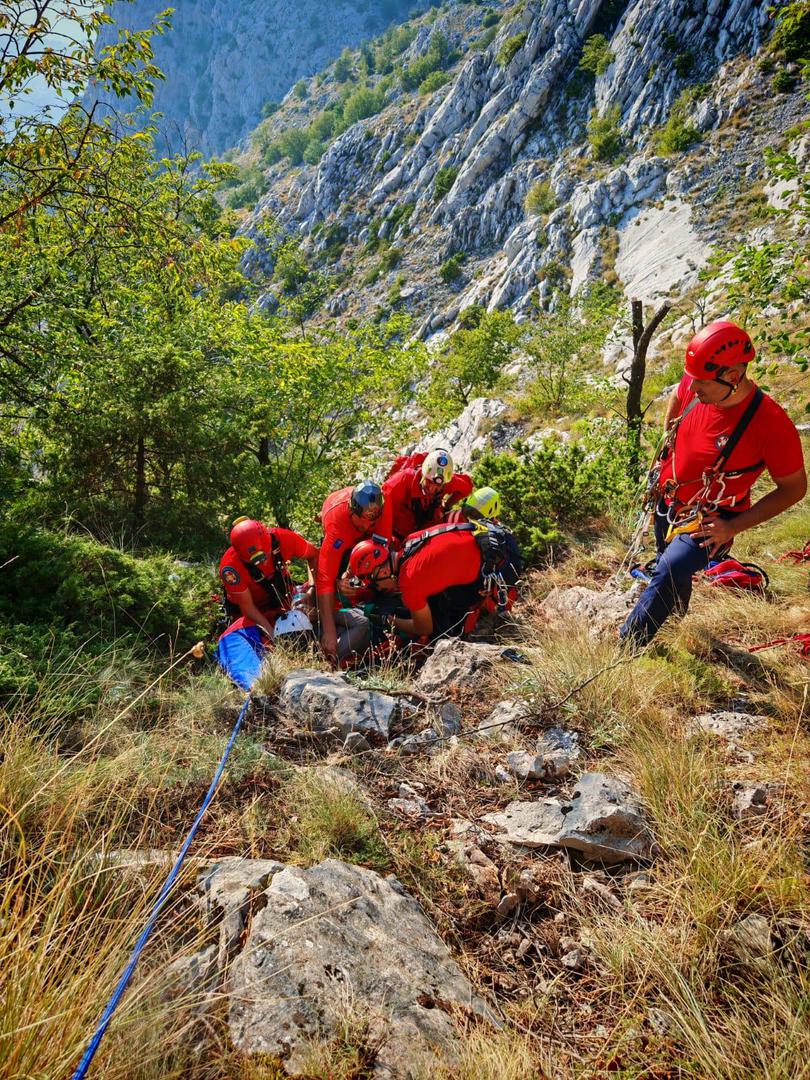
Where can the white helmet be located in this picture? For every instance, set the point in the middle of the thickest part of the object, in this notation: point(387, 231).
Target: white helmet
point(438, 466)
point(291, 622)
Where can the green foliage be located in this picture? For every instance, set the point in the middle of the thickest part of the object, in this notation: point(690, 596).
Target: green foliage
point(300, 90)
point(540, 198)
point(450, 270)
point(313, 151)
point(604, 134)
point(399, 216)
point(492, 18)
point(561, 347)
point(364, 102)
point(486, 39)
point(561, 486)
point(783, 82)
point(390, 258)
point(677, 134)
point(269, 108)
point(510, 48)
point(292, 143)
point(791, 37)
point(434, 81)
point(596, 55)
point(438, 56)
point(393, 42)
point(445, 178)
point(344, 67)
point(470, 363)
point(684, 63)
point(250, 187)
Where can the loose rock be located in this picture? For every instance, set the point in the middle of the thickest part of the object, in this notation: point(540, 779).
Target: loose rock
point(598, 611)
point(457, 663)
point(603, 820)
point(726, 725)
point(318, 701)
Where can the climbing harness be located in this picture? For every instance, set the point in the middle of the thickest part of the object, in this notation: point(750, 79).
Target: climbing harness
point(731, 574)
point(160, 903)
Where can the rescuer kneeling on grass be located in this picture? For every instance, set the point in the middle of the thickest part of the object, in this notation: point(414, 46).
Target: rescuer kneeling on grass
point(723, 431)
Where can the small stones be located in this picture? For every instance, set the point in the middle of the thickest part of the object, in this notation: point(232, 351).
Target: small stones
point(750, 942)
point(410, 803)
point(660, 1021)
point(356, 743)
point(726, 725)
point(557, 750)
point(504, 720)
point(750, 800)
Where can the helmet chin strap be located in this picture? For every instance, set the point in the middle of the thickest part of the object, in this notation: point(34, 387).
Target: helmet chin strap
point(731, 388)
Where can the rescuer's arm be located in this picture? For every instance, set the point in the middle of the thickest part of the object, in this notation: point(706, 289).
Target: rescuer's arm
point(788, 491)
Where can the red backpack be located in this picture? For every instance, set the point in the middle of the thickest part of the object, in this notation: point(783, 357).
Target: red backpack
point(732, 574)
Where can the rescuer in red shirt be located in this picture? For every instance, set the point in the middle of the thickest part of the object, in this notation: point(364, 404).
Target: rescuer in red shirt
point(258, 593)
point(254, 574)
point(419, 497)
point(702, 506)
point(347, 516)
point(439, 582)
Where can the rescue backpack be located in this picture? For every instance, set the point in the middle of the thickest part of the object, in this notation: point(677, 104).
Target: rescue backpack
point(501, 557)
point(731, 574)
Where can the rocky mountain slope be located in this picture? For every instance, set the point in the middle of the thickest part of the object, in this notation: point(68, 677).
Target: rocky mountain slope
point(225, 61)
point(524, 172)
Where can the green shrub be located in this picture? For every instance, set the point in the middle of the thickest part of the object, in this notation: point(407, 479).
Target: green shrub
point(492, 18)
point(300, 90)
point(684, 63)
point(540, 198)
point(783, 82)
point(434, 81)
point(791, 38)
point(604, 134)
point(596, 55)
point(439, 55)
point(313, 151)
point(269, 108)
point(671, 42)
point(389, 259)
point(510, 48)
point(249, 188)
point(561, 486)
point(364, 102)
point(677, 134)
point(292, 143)
point(450, 269)
point(343, 67)
point(486, 39)
point(445, 178)
point(399, 215)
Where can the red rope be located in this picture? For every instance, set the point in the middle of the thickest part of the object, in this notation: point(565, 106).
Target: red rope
point(797, 556)
point(801, 640)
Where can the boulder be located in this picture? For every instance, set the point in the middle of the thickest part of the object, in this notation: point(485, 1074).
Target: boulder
point(504, 720)
point(557, 750)
point(726, 725)
point(227, 893)
point(603, 820)
point(749, 942)
point(597, 610)
point(457, 663)
point(334, 933)
point(323, 701)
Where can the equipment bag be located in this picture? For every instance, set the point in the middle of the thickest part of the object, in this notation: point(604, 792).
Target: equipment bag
point(732, 574)
point(406, 461)
point(500, 554)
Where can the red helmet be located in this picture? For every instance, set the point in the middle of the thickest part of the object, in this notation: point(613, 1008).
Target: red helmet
point(368, 556)
point(252, 540)
point(719, 346)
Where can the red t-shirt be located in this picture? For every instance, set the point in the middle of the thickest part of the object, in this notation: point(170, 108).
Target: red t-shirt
point(770, 437)
point(448, 559)
point(236, 579)
point(411, 509)
point(340, 534)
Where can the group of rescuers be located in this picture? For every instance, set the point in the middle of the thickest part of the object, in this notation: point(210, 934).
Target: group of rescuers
point(406, 558)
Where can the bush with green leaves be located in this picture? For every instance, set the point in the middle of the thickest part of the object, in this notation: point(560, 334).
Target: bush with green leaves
point(249, 187)
point(344, 66)
point(783, 82)
point(791, 37)
point(684, 63)
point(604, 134)
point(390, 259)
point(560, 487)
point(301, 90)
point(678, 134)
point(596, 55)
point(439, 55)
point(450, 270)
point(445, 178)
point(540, 198)
point(510, 48)
point(471, 362)
point(364, 102)
point(434, 81)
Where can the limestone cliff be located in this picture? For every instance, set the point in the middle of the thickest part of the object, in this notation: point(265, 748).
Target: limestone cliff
point(225, 59)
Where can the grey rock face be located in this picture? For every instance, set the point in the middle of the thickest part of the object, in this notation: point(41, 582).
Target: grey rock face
point(467, 433)
point(320, 701)
point(557, 750)
point(335, 933)
point(726, 725)
point(225, 59)
point(603, 820)
point(456, 663)
point(227, 892)
point(597, 610)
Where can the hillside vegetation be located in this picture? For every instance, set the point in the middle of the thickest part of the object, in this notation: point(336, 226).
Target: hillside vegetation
point(153, 390)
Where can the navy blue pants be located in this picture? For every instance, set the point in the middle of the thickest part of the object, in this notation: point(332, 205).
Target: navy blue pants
point(670, 589)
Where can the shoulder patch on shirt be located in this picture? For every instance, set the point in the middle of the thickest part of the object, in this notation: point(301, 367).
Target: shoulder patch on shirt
point(230, 576)
point(337, 544)
point(721, 441)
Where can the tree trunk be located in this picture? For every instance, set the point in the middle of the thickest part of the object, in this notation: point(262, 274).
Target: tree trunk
point(642, 336)
point(263, 453)
point(139, 505)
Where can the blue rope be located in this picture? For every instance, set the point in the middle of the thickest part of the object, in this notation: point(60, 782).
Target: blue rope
point(117, 994)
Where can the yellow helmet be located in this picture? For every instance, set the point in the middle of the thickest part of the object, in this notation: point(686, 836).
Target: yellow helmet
point(483, 502)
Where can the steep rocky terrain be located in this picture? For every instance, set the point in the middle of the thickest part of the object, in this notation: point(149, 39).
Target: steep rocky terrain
point(226, 60)
point(438, 181)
